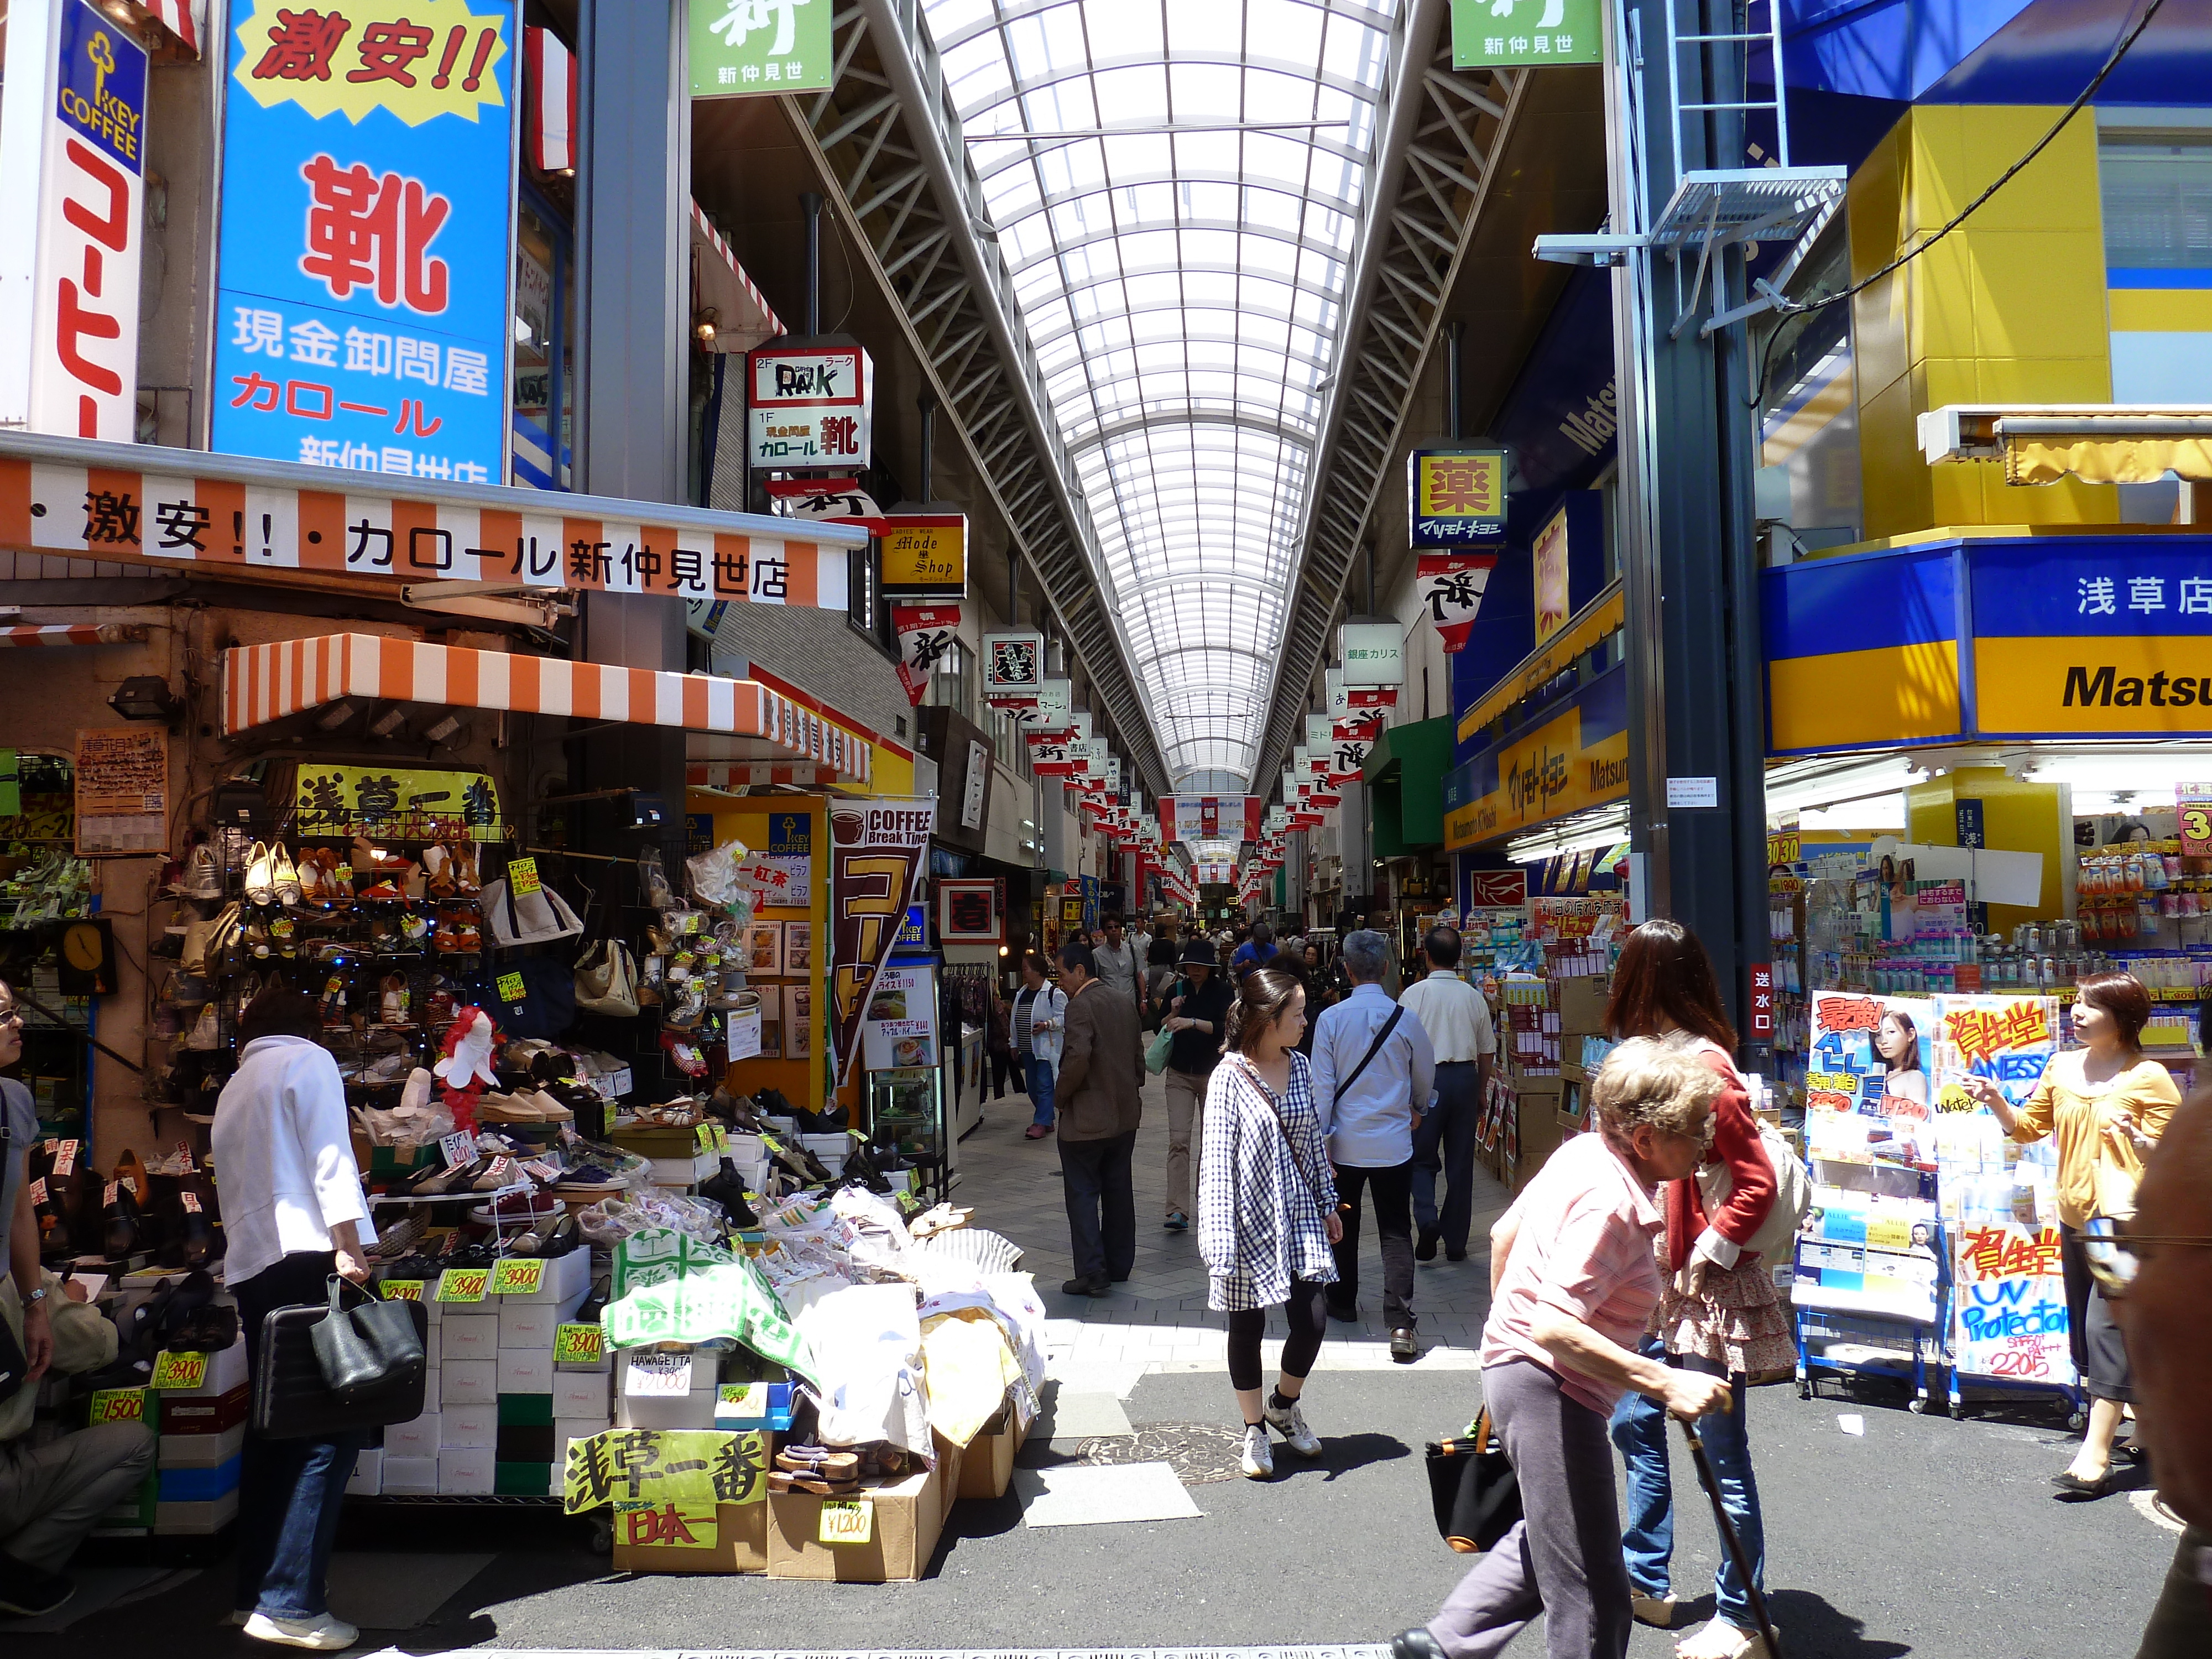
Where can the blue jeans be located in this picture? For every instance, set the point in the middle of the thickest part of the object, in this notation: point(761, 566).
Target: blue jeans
point(1639, 1429)
point(290, 1491)
point(1037, 1073)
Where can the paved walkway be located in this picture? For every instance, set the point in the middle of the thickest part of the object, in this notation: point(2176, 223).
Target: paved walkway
point(1158, 1321)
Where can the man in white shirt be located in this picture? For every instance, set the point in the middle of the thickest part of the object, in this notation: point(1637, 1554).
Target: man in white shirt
point(1456, 1017)
point(1141, 942)
point(1121, 965)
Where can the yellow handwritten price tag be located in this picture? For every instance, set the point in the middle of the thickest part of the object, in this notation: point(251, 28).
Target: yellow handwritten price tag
point(721, 1139)
point(516, 1275)
point(522, 877)
point(510, 988)
point(402, 1289)
point(846, 1520)
point(704, 1138)
point(178, 1370)
point(464, 1283)
point(118, 1405)
point(578, 1344)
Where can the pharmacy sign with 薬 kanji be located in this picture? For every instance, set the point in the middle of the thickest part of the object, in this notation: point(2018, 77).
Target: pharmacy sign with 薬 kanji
point(742, 48)
point(1488, 34)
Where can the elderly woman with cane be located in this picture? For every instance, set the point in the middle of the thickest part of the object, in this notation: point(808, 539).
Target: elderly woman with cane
point(1574, 1279)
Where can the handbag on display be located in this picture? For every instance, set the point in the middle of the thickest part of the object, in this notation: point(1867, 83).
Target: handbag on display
point(291, 1399)
point(1473, 1489)
point(606, 978)
point(536, 918)
point(547, 1006)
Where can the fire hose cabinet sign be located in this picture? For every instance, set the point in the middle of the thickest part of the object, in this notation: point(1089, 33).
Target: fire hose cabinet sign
point(808, 405)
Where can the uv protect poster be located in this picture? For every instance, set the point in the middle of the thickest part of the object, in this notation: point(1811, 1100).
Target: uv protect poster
point(368, 208)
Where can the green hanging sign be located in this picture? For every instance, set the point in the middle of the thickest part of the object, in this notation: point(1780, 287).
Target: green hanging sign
point(1526, 33)
point(742, 48)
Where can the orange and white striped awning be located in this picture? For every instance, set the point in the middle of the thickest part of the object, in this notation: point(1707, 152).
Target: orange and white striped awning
point(37, 634)
point(265, 682)
point(744, 775)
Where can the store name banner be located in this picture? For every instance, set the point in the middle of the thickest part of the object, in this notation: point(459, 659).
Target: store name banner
point(365, 256)
point(1457, 497)
point(877, 851)
point(73, 201)
point(1526, 33)
point(1013, 668)
point(395, 803)
point(2090, 636)
point(1212, 818)
point(924, 554)
point(925, 633)
point(808, 405)
point(1577, 757)
point(745, 48)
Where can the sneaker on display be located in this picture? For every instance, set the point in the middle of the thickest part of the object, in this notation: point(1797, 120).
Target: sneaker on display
point(1291, 1424)
point(1259, 1460)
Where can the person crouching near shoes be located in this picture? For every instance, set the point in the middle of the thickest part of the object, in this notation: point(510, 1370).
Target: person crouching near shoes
point(1267, 1207)
point(1574, 1279)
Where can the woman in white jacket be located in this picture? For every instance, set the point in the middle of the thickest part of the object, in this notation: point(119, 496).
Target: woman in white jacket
point(294, 1214)
point(1038, 1017)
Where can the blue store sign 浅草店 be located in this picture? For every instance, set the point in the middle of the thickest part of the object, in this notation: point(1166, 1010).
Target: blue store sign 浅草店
point(367, 212)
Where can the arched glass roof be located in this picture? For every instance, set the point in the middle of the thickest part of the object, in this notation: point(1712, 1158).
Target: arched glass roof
point(1184, 286)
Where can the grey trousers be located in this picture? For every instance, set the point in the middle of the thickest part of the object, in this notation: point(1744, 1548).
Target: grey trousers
point(1563, 1558)
point(51, 1495)
point(2181, 1624)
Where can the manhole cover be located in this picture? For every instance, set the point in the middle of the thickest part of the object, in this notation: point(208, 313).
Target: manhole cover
point(1197, 1452)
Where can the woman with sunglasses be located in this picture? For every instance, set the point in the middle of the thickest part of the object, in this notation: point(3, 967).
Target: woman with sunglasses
point(1718, 1313)
point(2104, 1105)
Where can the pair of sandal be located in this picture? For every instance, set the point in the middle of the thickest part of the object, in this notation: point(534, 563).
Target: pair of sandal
point(449, 868)
point(323, 881)
point(272, 877)
point(818, 1469)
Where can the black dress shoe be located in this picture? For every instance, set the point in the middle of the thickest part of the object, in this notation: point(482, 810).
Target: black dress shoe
point(120, 1235)
point(1415, 1643)
point(1425, 1249)
point(1098, 1286)
point(1454, 1255)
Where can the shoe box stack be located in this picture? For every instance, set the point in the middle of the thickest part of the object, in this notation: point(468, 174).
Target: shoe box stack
point(202, 1426)
point(1553, 1108)
point(678, 1161)
point(488, 1423)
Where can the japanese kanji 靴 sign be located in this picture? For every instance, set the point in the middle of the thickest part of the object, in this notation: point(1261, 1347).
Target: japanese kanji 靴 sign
point(361, 314)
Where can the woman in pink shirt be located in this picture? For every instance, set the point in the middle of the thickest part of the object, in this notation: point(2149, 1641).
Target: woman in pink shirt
point(1573, 1284)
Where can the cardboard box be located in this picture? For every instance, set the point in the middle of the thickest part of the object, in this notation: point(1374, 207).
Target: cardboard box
point(468, 1383)
point(200, 1515)
point(740, 1544)
point(368, 1479)
point(526, 1410)
point(416, 1476)
point(520, 1480)
point(987, 1464)
point(225, 1371)
point(419, 1438)
point(199, 1414)
point(433, 1345)
point(566, 1282)
point(526, 1442)
point(433, 1387)
point(526, 1371)
point(906, 1517)
point(470, 1336)
point(467, 1470)
point(638, 1410)
point(1582, 1004)
point(460, 1427)
point(581, 1394)
point(201, 1451)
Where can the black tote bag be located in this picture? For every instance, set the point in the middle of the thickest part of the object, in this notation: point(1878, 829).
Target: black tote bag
point(1473, 1489)
point(292, 1401)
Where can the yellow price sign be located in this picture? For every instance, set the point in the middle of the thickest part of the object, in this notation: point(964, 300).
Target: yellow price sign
point(704, 1138)
point(402, 1289)
point(522, 877)
point(464, 1283)
point(118, 1405)
point(517, 1275)
point(579, 1345)
point(510, 988)
point(2195, 802)
point(846, 1520)
point(178, 1370)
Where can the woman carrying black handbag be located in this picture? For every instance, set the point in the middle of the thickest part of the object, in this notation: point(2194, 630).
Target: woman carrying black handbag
point(295, 1215)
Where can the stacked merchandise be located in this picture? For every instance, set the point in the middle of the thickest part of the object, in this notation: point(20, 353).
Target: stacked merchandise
point(1490, 937)
point(1584, 1045)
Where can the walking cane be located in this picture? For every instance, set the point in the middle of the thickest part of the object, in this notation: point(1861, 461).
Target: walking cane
point(1728, 1537)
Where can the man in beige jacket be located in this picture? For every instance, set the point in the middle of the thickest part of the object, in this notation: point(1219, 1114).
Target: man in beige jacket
point(1102, 1068)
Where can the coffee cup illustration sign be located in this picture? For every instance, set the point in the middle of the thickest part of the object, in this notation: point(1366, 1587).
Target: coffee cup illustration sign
point(875, 854)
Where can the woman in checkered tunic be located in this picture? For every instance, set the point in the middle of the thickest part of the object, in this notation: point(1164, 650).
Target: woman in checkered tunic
point(1266, 1204)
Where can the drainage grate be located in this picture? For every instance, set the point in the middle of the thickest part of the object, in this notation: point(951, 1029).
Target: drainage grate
point(1197, 1452)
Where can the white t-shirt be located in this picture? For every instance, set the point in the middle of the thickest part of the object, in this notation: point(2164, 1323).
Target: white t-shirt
point(284, 1155)
point(1453, 1014)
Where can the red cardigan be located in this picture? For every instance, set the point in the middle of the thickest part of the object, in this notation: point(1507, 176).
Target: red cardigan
point(1736, 1144)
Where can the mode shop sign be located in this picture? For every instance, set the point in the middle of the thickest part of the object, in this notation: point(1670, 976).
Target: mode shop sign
point(366, 258)
point(72, 191)
point(808, 405)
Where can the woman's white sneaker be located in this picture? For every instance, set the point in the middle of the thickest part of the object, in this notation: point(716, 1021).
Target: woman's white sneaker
point(1259, 1460)
point(1291, 1424)
point(324, 1633)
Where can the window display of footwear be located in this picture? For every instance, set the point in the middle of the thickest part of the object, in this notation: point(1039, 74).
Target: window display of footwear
point(260, 876)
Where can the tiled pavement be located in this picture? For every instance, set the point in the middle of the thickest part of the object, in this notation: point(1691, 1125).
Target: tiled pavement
point(1158, 1321)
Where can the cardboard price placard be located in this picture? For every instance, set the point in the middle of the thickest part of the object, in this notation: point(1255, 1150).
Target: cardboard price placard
point(522, 877)
point(118, 1405)
point(2193, 802)
point(178, 1370)
point(846, 1520)
point(657, 1375)
point(578, 1344)
point(730, 1300)
point(689, 1467)
point(518, 1275)
point(402, 1289)
point(464, 1283)
point(510, 988)
point(457, 1148)
point(669, 1526)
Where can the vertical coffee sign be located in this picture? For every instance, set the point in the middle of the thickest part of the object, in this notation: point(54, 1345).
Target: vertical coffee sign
point(362, 310)
point(72, 172)
point(742, 48)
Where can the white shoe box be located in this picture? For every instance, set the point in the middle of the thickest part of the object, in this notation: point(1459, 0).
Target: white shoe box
point(471, 1383)
point(432, 1350)
point(526, 1324)
point(527, 1370)
point(209, 1514)
point(581, 1394)
point(226, 1370)
point(470, 1336)
point(411, 1476)
point(432, 1387)
point(202, 1451)
point(567, 1281)
point(368, 1473)
point(468, 1427)
point(466, 1471)
point(636, 1409)
point(416, 1439)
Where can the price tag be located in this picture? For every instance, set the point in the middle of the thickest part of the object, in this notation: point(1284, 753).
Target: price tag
point(118, 1405)
point(65, 1158)
point(2194, 801)
point(108, 1193)
point(522, 877)
point(178, 1370)
point(517, 1275)
point(464, 1283)
point(185, 1155)
point(402, 1289)
point(510, 988)
point(579, 1345)
point(39, 1190)
point(500, 1169)
point(721, 1137)
point(457, 1148)
point(658, 1375)
point(190, 1201)
point(704, 1137)
point(846, 1520)
point(542, 1169)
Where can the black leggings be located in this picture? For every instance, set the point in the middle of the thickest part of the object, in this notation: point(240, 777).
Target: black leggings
point(1309, 1324)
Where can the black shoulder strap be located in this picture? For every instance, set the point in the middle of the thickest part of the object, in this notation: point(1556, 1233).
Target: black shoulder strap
point(1373, 1049)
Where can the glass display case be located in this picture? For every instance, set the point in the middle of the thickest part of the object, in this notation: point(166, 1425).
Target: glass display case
point(907, 1126)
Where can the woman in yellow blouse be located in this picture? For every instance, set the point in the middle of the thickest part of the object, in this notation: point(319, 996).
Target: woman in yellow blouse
point(2105, 1106)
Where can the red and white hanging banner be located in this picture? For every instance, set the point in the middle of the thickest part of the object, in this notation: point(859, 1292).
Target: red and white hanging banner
point(925, 633)
point(1362, 727)
point(549, 72)
point(1051, 756)
point(1452, 586)
point(1371, 696)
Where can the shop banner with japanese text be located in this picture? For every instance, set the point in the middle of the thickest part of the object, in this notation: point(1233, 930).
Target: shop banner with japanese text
point(690, 1467)
point(925, 632)
point(399, 803)
point(364, 263)
point(877, 849)
point(1452, 586)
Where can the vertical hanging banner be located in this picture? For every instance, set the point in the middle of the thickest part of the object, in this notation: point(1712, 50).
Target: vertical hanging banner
point(876, 860)
point(743, 48)
point(72, 197)
point(365, 256)
point(925, 632)
point(1452, 586)
point(1013, 668)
